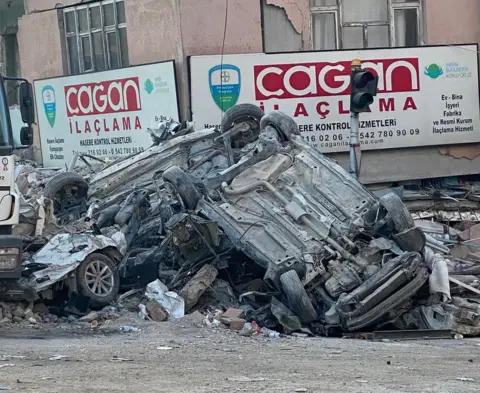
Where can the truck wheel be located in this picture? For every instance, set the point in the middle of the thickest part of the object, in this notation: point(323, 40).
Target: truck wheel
point(297, 297)
point(65, 190)
point(283, 123)
point(98, 279)
point(240, 113)
point(183, 185)
point(398, 212)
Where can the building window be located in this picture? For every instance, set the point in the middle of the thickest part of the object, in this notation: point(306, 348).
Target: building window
point(353, 24)
point(96, 36)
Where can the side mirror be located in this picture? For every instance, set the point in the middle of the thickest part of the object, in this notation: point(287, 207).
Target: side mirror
point(26, 103)
point(26, 136)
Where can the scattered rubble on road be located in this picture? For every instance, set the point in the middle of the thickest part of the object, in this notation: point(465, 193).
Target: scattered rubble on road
point(250, 225)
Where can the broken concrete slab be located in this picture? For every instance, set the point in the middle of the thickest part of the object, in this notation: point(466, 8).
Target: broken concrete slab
point(199, 283)
point(156, 312)
point(233, 313)
point(237, 324)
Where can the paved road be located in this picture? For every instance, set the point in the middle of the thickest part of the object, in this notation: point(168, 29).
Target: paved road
point(203, 360)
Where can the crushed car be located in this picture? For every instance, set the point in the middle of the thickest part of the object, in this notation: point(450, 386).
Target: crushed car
point(333, 251)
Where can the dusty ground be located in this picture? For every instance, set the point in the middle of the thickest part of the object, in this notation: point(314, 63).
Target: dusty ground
point(203, 360)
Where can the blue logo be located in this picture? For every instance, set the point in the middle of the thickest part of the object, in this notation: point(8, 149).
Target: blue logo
point(225, 81)
point(49, 104)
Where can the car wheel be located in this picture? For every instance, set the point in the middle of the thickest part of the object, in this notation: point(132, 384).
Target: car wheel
point(397, 211)
point(282, 123)
point(297, 297)
point(241, 113)
point(98, 279)
point(183, 185)
point(66, 189)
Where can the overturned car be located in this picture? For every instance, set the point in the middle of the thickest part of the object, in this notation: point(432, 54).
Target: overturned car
point(332, 251)
point(253, 200)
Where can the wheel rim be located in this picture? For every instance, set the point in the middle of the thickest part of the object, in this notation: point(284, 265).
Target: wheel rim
point(246, 137)
point(99, 278)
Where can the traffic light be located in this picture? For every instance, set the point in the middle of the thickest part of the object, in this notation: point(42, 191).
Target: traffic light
point(364, 88)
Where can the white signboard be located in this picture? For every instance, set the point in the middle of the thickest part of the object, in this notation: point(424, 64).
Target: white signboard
point(104, 114)
point(426, 95)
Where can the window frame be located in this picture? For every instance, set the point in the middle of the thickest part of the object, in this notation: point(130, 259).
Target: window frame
point(418, 6)
point(328, 9)
point(103, 29)
point(392, 6)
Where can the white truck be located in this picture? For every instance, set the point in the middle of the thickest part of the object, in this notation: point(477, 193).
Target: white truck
point(11, 246)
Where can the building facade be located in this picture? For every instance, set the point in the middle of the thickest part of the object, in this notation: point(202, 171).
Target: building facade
point(48, 38)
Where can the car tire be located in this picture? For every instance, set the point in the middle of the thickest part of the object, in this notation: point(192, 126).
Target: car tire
point(297, 297)
point(282, 123)
point(398, 212)
point(78, 188)
point(183, 185)
point(239, 113)
point(105, 290)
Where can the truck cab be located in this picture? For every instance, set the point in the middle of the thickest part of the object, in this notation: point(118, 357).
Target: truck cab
point(11, 246)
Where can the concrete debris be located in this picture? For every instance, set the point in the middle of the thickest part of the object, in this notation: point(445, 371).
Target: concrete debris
point(156, 312)
point(233, 313)
point(129, 329)
point(233, 323)
point(247, 227)
point(92, 316)
point(41, 314)
point(199, 283)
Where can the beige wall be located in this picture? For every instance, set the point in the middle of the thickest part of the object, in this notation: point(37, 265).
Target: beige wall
point(450, 22)
point(203, 31)
point(39, 45)
point(152, 31)
point(40, 51)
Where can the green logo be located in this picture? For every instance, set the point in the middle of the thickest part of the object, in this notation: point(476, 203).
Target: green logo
point(49, 104)
point(225, 82)
point(149, 86)
point(433, 71)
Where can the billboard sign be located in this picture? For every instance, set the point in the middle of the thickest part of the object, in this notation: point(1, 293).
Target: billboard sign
point(104, 114)
point(426, 95)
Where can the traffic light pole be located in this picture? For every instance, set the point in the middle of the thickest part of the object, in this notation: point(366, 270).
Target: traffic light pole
point(355, 153)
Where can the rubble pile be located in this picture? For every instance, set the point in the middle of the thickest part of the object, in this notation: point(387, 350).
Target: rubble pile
point(251, 225)
point(39, 313)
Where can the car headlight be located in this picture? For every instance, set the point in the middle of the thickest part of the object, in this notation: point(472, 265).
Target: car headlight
point(9, 258)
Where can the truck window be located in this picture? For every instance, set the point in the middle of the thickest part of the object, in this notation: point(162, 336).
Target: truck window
point(4, 135)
